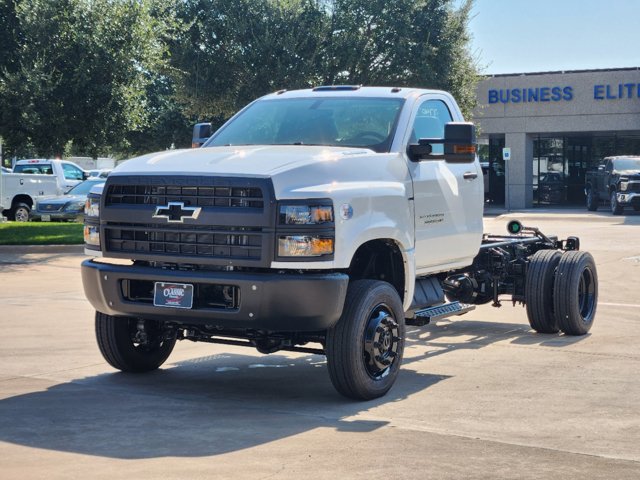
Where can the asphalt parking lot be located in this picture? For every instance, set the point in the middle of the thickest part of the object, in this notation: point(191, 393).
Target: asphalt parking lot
point(479, 396)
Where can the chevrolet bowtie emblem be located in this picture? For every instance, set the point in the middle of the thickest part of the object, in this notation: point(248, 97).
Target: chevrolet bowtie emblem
point(176, 212)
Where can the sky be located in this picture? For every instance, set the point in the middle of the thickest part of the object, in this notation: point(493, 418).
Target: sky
point(518, 36)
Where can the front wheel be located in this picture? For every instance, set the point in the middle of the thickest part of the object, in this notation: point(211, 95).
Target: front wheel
point(616, 208)
point(575, 292)
point(592, 201)
point(133, 345)
point(364, 349)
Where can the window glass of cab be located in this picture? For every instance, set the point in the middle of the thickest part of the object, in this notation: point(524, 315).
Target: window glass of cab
point(431, 117)
point(34, 168)
point(71, 172)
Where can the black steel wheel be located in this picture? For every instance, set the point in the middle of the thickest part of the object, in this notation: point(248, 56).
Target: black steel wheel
point(616, 208)
point(538, 292)
point(133, 345)
point(365, 347)
point(575, 293)
point(592, 201)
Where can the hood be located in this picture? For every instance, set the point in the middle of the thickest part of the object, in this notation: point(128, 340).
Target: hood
point(628, 173)
point(256, 160)
point(297, 171)
point(61, 199)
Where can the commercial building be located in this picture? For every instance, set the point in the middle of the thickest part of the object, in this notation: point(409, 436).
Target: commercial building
point(556, 126)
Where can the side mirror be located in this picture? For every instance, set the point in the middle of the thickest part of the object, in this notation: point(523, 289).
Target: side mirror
point(600, 167)
point(459, 145)
point(85, 175)
point(201, 133)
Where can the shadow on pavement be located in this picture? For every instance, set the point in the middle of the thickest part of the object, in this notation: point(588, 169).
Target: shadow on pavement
point(224, 403)
point(205, 406)
point(446, 336)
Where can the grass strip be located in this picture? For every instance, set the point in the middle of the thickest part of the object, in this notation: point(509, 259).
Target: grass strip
point(40, 233)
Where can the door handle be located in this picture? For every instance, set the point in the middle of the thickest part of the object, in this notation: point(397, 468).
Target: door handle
point(470, 175)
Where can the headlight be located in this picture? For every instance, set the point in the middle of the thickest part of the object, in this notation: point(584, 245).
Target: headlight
point(624, 186)
point(92, 206)
point(305, 214)
point(92, 235)
point(304, 246)
point(74, 206)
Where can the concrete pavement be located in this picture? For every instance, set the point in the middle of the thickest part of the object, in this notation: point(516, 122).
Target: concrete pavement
point(479, 396)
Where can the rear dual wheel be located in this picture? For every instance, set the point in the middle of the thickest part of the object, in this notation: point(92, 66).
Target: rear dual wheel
point(576, 293)
point(561, 292)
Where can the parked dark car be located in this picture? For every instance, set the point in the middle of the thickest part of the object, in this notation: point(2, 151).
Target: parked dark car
point(552, 188)
point(617, 181)
point(69, 206)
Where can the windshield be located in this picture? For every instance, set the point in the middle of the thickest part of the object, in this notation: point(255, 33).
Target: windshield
point(626, 164)
point(331, 121)
point(83, 188)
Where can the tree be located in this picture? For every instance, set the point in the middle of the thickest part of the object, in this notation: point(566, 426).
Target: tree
point(233, 52)
point(418, 43)
point(82, 73)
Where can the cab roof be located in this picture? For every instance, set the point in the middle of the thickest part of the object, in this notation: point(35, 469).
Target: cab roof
point(352, 91)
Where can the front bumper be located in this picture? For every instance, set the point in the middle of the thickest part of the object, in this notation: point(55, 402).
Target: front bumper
point(267, 301)
point(59, 215)
point(632, 198)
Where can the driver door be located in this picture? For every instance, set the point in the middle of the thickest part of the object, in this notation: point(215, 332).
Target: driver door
point(448, 197)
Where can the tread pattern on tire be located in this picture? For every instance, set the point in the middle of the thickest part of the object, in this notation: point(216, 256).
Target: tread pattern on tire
point(592, 202)
point(566, 306)
point(617, 209)
point(539, 291)
point(116, 347)
point(345, 340)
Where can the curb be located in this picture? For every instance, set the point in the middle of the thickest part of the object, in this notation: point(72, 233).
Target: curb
point(24, 249)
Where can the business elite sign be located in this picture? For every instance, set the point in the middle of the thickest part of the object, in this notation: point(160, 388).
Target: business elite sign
point(562, 93)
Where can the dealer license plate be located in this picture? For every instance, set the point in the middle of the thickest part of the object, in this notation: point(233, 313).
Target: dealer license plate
point(176, 295)
point(45, 218)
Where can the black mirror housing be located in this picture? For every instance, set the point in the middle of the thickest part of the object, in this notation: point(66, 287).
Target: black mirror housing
point(459, 145)
point(201, 133)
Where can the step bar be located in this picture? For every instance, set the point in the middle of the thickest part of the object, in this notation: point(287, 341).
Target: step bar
point(438, 312)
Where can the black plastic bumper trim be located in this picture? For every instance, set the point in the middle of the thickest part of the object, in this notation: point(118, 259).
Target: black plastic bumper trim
point(268, 301)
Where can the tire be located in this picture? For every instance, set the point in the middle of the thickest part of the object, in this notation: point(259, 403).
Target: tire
point(121, 351)
point(575, 293)
point(20, 212)
point(592, 201)
point(616, 208)
point(365, 347)
point(538, 291)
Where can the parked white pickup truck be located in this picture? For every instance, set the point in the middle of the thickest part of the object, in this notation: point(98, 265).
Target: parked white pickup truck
point(67, 174)
point(19, 192)
point(332, 217)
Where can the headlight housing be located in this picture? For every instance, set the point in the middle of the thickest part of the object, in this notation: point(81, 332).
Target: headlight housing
point(304, 246)
point(305, 230)
point(305, 214)
point(92, 220)
point(75, 206)
point(92, 236)
point(624, 186)
point(92, 206)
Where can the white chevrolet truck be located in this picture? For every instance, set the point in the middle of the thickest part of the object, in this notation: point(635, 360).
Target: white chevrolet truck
point(319, 221)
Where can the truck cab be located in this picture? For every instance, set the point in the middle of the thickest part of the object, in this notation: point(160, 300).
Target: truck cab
point(67, 174)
